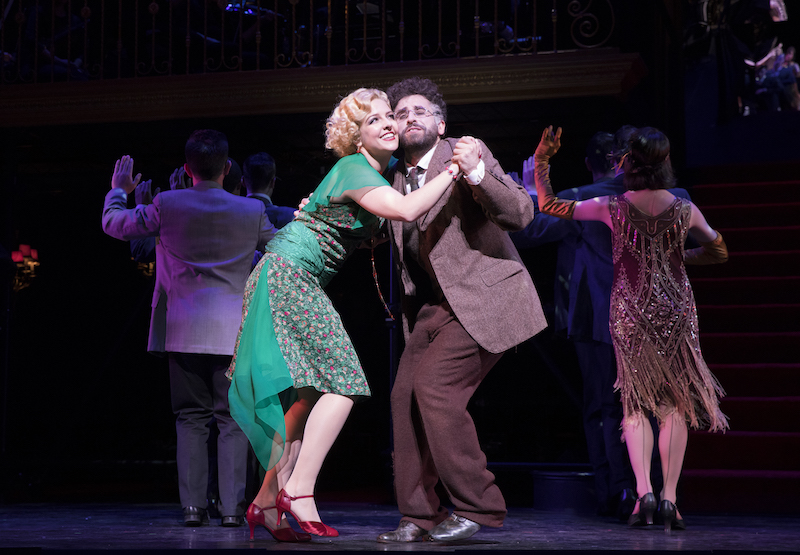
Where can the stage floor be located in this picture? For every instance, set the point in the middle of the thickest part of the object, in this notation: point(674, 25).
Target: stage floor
point(158, 527)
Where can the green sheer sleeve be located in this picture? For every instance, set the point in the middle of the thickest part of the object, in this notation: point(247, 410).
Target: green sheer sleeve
point(350, 172)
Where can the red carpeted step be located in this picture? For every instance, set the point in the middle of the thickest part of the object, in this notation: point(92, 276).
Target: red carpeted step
point(738, 491)
point(762, 414)
point(747, 290)
point(743, 451)
point(750, 264)
point(748, 215)
point(750, 335)
point(743, 348)
point(773, 238)
point(743, 318)
point(758, 379)
point(736, 193)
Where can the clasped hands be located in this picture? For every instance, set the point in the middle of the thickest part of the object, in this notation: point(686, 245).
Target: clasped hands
point(467, 154)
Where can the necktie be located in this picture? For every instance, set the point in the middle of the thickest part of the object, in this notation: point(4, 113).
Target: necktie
point(414, 175)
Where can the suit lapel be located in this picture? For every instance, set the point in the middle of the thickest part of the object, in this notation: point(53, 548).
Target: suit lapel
point(439, 162)
point(398, 183)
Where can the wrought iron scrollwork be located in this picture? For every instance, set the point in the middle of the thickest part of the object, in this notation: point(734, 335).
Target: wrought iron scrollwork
point(589, 29)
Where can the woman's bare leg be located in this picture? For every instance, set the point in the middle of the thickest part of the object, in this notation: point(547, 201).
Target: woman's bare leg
point(276, 477)
point(639, 439)
point(322, 428)
point(672, 439)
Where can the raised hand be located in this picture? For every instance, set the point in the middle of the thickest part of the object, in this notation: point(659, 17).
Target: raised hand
point(528, 179)
point(123, 175)
point(549, 143)
point(143, 195)
point(178, 179)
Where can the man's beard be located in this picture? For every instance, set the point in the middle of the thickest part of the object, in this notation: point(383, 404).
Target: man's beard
point(419, 144)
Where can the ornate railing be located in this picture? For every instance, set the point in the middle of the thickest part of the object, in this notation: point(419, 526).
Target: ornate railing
point(56, 40)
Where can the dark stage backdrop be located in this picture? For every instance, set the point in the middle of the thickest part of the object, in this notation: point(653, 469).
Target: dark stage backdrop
point(88, 410)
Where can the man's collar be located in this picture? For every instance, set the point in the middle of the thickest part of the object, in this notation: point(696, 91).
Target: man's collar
point(265, 196)
point(208, 185)
point(425, 161)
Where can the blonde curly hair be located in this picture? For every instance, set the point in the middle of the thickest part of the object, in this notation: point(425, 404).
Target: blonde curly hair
point(342, 130)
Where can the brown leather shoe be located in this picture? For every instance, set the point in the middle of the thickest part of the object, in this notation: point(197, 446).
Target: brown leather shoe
point(407, 531)
point(453, 528)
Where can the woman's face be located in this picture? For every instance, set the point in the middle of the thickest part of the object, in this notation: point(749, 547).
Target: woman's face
point(379, 130)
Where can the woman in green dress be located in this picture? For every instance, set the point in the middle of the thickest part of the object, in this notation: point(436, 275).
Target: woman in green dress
point(292, 337)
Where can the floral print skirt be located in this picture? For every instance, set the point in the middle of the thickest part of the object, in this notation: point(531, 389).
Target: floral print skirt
point(291, 335)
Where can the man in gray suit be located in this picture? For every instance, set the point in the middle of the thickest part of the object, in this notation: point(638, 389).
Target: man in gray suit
point(467, 298)
point(207, 241)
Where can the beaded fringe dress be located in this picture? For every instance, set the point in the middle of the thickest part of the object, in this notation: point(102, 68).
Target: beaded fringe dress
point(653, 319)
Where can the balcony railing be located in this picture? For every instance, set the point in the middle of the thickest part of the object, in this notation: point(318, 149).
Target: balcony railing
point(45, 41)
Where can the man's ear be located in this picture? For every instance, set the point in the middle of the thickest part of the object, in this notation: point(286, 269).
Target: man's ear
point(227, 168)
point(188, 171)
point(440, 127)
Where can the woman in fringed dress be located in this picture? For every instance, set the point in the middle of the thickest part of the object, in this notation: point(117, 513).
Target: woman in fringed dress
point(653, 317)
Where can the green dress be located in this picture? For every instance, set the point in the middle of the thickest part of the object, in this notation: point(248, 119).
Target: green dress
point(291, 336)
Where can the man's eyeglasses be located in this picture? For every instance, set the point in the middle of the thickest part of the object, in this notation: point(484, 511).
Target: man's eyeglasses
point(419, 111)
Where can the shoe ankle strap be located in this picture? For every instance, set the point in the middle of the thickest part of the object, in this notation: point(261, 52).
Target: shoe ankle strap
point(297, 497)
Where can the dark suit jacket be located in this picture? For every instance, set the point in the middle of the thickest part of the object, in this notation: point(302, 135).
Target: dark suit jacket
point(584, 269)
point(278, 215)
point(463, 245)
point(207, 240)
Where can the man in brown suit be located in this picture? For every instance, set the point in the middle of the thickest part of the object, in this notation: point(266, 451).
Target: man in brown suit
point(467, 298)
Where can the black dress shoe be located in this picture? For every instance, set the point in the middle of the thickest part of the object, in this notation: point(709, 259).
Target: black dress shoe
point(647, 508)
point(668, 514)
point(232, 521)
point(453, 528)
point(626, 501)
point(194, 516)
point(406, 532)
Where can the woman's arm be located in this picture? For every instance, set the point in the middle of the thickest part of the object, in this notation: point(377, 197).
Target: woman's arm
point(387, 203)
point(595, 209)
point(712, 249)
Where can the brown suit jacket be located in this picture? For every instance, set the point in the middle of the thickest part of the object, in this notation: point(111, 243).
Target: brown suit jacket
point(465, 241)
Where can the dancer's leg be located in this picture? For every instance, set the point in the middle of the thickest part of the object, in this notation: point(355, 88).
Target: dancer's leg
point(639, 440)
point(276, 477)
point(672, 439)
point(322, 428)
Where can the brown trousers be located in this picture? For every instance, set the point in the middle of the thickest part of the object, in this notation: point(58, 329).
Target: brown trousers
point(434, 435)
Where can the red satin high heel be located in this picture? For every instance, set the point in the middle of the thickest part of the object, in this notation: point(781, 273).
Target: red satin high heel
point(256, 515)
point(284, 505)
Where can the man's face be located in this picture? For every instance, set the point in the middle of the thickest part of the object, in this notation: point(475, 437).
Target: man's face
point(418, 131)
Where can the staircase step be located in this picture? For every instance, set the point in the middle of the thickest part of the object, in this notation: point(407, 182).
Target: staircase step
point(750, 264)
point(743, 318)
point(743, 239)
point(762, 414)
point(744, 348)
point(759, 215)
point(734, 193)
point(738, 491)
point(743, 451)
point(746, 290)
point(758, 379)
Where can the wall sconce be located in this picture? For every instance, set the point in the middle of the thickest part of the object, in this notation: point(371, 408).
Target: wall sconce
point(26, 260)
